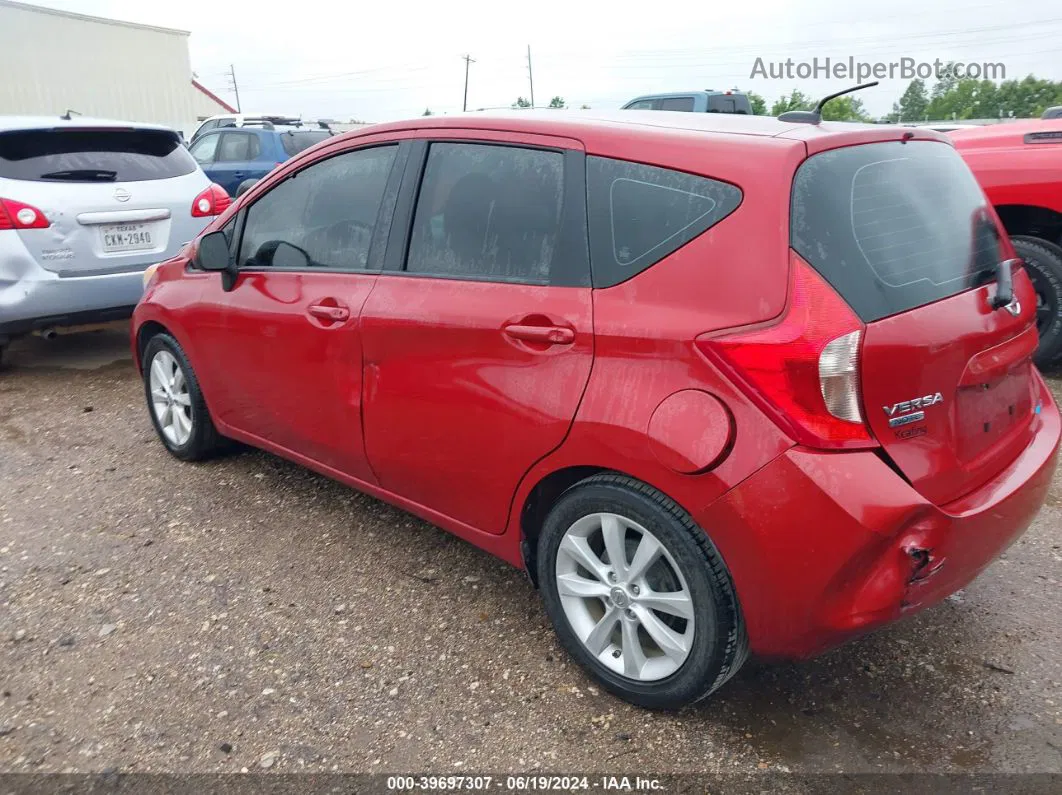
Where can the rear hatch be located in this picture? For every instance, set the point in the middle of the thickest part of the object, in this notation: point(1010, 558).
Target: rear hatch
point(114, 199)
point(903, 233)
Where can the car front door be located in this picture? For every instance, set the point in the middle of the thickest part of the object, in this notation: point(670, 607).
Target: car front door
point(285, 357)
point(235, 160)
point(478, 337)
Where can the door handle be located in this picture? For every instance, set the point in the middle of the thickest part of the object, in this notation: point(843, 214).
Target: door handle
point(333, 313)
point(550, 335)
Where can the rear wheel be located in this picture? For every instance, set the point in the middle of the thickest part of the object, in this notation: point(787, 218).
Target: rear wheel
point(175, 402)
point(638, 594)
point(1043, 262)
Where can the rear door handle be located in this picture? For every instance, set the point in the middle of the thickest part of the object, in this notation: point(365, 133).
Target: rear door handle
point(333, 313)
point(551, 335)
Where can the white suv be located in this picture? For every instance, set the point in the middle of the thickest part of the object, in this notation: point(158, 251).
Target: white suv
point(85, 207)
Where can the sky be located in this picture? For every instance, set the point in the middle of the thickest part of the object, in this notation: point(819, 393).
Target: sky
point(376, 61)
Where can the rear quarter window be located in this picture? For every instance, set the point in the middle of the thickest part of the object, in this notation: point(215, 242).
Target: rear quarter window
point(295, 142)
point(71, 155)
point(893, 226)
point(640, 214)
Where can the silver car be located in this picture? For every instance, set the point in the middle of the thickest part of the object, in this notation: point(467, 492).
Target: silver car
point(85, 207)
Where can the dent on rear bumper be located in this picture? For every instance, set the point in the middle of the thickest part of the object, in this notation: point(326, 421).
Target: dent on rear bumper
point(29, 292)
point(826, 546)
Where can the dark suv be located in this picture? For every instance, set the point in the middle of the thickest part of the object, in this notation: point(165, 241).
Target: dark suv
point(240, 156)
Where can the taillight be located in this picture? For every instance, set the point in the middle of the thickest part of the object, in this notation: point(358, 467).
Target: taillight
point(213, 201)
point(17, 215)
point(803, 370)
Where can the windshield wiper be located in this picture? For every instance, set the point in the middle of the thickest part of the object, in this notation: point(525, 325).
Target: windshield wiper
point(87, 174)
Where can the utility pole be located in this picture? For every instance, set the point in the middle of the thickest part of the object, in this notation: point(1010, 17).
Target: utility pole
point(468, 60)
point(236, 88)
point(530, 77)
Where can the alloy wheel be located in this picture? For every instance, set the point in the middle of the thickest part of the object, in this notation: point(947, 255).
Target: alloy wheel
point(625, 597)
point(171, 401)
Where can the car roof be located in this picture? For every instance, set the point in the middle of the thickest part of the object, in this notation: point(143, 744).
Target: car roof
point(8, 123)
point(579, 124)
point(998, 133)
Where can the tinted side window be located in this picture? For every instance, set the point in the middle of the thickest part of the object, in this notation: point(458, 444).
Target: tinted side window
point(645, 104)
point(295, 142)
point(205, 149)
point(676, 103)
point(237, 146)
point(639, 214)
point(328, 211)
point(488, 212)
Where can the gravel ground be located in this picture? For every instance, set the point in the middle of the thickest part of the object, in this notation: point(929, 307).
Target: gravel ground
point(245, 613)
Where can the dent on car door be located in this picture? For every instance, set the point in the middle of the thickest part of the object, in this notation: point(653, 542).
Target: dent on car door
point(479, 344)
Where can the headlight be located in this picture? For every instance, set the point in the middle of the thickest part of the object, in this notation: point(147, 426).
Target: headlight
point(149, 273)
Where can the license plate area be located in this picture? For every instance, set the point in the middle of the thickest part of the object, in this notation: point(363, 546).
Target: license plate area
point(118, 238)
point(991, 413)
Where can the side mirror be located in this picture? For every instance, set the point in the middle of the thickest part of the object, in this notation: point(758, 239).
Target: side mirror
point(213, 252)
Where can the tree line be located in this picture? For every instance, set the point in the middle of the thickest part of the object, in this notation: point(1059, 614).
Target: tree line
point(949, 98)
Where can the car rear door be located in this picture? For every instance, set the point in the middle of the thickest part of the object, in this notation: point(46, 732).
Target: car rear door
point(479, 335)
point(114, 199)
point(904, 234)
point(284, 354)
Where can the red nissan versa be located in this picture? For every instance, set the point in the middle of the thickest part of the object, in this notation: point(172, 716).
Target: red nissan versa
point(722, 384)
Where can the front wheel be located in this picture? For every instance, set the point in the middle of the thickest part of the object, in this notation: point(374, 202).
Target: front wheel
point(175, 401)
point(638, 594)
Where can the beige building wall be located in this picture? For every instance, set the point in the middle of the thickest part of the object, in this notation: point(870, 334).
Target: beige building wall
point(55, 60)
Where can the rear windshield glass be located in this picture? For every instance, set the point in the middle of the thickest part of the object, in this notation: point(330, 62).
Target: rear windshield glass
point(93, 155)
point(728, 103)
point(893, 226)
point(295, 142)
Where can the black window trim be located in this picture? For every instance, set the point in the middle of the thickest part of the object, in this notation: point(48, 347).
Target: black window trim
point(573, 244)
point(381, 230)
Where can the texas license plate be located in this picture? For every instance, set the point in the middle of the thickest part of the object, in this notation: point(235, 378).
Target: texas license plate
point(128, 237)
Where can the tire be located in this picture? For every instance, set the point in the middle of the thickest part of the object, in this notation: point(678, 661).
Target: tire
point(704, 654)
point(200, 440)
point(1043, 262)
point(245, 186)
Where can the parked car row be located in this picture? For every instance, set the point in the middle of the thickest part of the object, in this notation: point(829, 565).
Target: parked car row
point(723, 385)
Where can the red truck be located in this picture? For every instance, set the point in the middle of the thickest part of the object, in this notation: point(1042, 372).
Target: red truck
point(1019, 166)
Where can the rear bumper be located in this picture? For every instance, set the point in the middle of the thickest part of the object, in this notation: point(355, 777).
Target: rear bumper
point(33, 298)
point(826, 546)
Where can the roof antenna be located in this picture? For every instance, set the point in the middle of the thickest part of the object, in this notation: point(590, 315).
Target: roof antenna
point(66, 116)
point(815, 116)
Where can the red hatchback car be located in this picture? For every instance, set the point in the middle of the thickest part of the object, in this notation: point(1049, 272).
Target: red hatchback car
point(722, 384)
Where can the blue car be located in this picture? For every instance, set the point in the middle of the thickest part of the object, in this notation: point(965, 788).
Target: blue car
point(233, 156)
